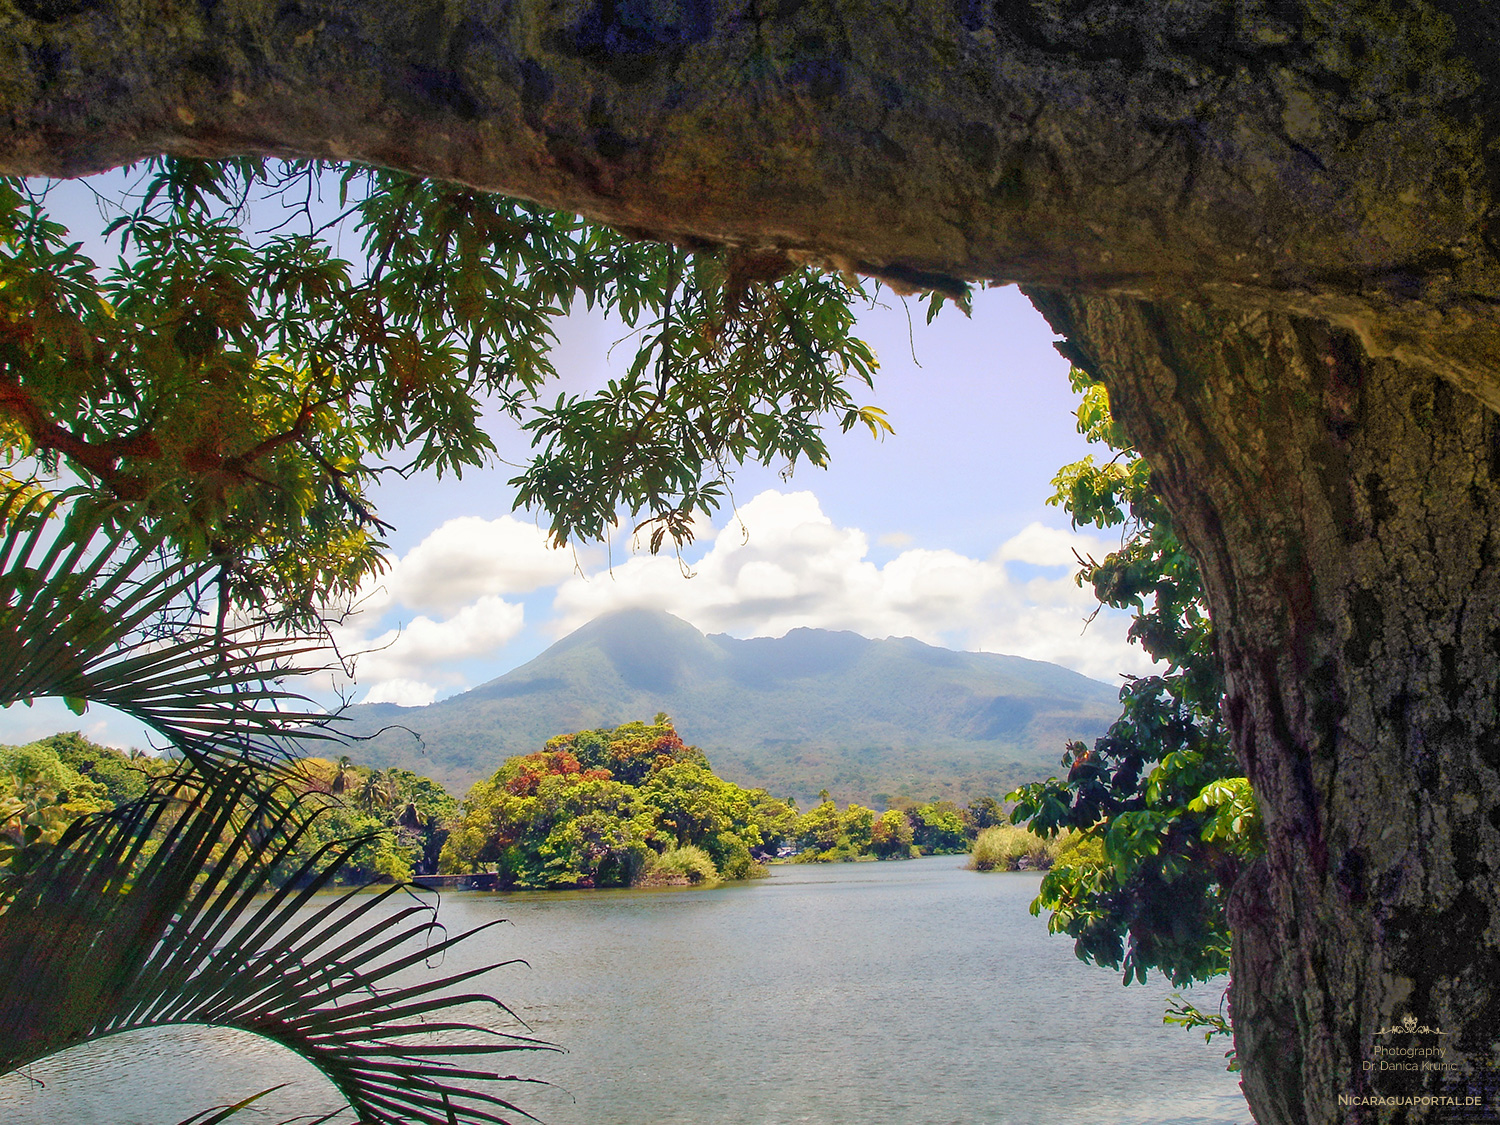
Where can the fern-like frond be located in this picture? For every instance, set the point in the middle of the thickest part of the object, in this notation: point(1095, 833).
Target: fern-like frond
point(162, 912)
point(84, 595)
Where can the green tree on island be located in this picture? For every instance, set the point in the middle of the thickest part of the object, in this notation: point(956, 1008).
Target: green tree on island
point(563, 818)
point(891, 835)
point(403, 817)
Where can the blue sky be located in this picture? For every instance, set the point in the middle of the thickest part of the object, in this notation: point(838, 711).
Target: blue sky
point(941, 531)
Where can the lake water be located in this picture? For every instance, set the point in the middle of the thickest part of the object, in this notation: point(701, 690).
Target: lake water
point(913, 993)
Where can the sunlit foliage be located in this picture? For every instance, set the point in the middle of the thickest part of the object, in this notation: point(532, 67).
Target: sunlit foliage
point(828, 834)
point(603, 807)
point(234, 367)
point(1164, 821)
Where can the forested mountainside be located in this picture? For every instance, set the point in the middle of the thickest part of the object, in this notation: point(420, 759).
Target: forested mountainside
point(815, 709)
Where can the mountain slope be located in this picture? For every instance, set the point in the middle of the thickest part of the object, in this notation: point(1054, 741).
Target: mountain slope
point(868, 720)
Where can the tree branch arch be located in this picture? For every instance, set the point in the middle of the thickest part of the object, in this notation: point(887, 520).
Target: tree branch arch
point(1270, 225)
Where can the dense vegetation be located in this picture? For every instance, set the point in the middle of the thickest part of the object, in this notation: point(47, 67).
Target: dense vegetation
point(1009, 847)
point(46, 785)
point(635, 805)
point(1163, 817)
point(402, 817)
point(828, 834)
point(398, 819)
point(632, 805)
point(604, 808)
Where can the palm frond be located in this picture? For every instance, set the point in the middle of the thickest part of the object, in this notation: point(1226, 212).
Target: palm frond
point(83, 597)
point(162, 912)
point(215, 1115)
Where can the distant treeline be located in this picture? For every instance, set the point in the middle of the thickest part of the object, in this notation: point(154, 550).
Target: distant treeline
point(828, 834)
point(632, 805)
point(403, 818)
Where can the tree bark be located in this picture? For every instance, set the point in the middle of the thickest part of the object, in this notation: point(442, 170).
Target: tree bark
point(1321, 157)
point(1277, 223)
point(1344, 511)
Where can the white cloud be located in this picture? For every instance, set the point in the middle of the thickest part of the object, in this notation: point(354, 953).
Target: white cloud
point(468, 558)
point(1049, 546)
point(455, 579)
point(780, 563)
point(404, 693)
point(785, 564)
point(418, 651)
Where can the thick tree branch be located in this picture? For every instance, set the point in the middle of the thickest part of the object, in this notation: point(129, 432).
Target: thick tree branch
point(1319, 159)
point(101, 458)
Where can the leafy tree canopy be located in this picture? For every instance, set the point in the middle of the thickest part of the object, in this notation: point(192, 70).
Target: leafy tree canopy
point(609, 807)
point(828, 834)
point(40, 795)
point(1166, 820)
point(402, 818)
point(48, 784)
point(891, 835)
point(940, 828)
point(237, 372)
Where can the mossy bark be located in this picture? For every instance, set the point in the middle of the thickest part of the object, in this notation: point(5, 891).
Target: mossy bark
point(1330, 158)
point(1346, 514)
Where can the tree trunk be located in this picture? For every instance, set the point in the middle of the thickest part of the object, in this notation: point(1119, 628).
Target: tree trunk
point(1322, 174)
point(1344, 512)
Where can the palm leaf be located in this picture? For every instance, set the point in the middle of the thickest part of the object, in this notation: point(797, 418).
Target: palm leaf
point(162, 912)
point(215, 1115)
point(84, 596)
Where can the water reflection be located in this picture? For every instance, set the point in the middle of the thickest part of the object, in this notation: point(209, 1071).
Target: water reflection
point(917, 993)
point(163, 1076)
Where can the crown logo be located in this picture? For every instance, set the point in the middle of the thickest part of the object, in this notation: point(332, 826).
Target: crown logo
point(1410, 1025)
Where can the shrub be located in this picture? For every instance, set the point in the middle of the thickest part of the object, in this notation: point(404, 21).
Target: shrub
point(939, 828)
point(1009, 847)
point(735, 861)
point(688, 865)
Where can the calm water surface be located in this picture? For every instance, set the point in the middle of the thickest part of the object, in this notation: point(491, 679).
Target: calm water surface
point(914, 993)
